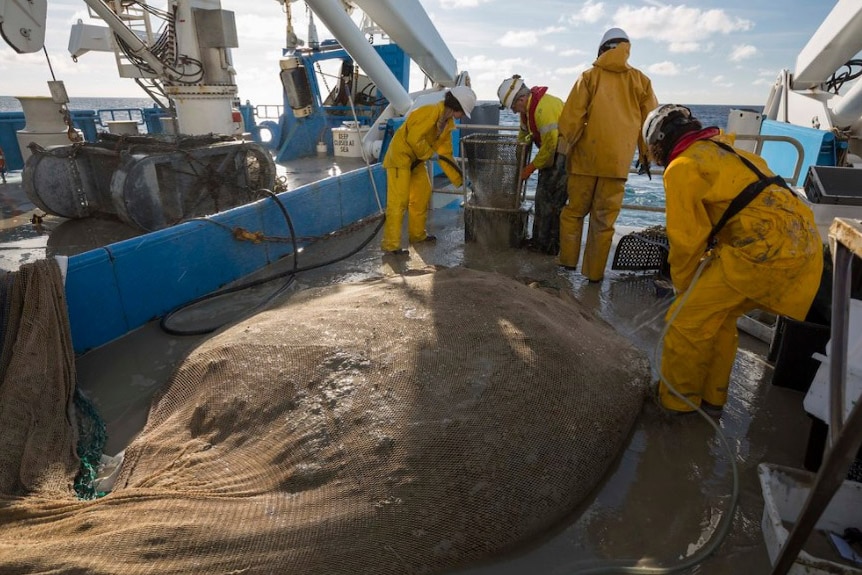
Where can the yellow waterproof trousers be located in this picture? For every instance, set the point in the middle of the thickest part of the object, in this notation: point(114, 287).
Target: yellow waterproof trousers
point(406, 190)
point(602, 199)
point(700, 345)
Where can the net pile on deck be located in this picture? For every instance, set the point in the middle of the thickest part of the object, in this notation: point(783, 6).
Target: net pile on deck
point(403, 425)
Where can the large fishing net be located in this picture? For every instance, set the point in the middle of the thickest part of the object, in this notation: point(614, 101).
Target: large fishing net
point(405, 425)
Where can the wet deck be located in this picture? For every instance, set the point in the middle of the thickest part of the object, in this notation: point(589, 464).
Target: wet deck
point(662, 500)
point(671, 485)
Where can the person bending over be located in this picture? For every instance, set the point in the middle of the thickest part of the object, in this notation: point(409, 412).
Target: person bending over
point(540, 113)
point(764, 252)
point(426, 131)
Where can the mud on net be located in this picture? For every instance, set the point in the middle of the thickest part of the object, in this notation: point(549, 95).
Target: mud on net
point(404, 425)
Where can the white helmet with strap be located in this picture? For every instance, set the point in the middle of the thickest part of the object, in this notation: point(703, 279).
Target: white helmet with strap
point(466, 97)
point(656, 125)
point(611, 39)
point(509, 89)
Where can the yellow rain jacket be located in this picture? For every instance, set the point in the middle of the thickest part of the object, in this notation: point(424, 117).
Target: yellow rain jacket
point(408, 187)
point(602, 118)
point(547, 118)
point(418, 139)
point(769, 252)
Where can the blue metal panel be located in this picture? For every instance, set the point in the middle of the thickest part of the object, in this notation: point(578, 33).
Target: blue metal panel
point(397, 61)
point(152, 119)
point(116, 289)
point(156, 274)
point(10, 123)
point(96, 311)
point(299, 136)
point(820, 148)
point(85, 120)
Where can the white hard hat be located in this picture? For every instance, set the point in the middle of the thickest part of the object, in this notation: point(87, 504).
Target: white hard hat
point(466, 97)
point(508, 90)
point(656, 123)
point(612, 39)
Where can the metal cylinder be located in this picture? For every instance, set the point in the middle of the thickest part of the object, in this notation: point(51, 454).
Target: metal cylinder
point(297, 87)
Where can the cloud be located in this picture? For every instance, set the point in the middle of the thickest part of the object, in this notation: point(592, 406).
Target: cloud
point(487, 73)
point(663, 69)
point(742, 52)
point(683, 28)
point(518, 39)
point(572, 71)
point(590, 13)
point(722, 81)
point(455, 4)
point(572, 52)
point(521, 38)
point(685, 47)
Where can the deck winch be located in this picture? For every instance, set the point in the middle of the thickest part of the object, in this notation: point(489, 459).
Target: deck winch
point(148, 182)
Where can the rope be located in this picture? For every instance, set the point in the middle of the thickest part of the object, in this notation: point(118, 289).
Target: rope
point(92, 436)
point(289, 274)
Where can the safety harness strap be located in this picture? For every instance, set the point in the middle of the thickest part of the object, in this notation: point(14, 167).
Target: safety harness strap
point(536, 93)
point(744, 197)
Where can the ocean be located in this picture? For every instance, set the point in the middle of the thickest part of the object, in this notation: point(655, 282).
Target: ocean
point(640, 190)
point(11, 104)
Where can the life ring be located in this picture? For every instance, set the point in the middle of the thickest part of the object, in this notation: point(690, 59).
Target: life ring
point(274, 134)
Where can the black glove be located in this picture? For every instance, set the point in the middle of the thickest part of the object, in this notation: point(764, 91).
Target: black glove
point(644, 168)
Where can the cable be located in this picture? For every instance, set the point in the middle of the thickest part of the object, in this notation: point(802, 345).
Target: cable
point(289, 274)
point(362, 150)
point(50, 67)
point(721, 532)
point(837, 80)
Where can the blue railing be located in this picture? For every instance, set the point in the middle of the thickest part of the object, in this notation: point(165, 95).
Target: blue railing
point(11, 122)
point(90, 122)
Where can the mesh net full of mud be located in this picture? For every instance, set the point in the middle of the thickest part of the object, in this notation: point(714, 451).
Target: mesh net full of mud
point(404, 425)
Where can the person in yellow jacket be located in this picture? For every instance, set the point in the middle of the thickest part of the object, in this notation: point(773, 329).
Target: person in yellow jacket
point(540, 113)
point(426, 131)
point(765, 252)
point(600, 124)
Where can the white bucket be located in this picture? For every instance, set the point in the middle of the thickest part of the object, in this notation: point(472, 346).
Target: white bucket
point(347, 140)
point(123, 127)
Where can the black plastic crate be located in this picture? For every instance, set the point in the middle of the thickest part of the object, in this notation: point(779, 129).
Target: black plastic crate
point(833, 185)
point(792, 346)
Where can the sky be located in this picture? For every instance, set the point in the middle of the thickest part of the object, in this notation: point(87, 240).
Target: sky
point(695, 52)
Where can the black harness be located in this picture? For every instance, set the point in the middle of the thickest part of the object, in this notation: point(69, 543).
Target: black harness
point(744, 197)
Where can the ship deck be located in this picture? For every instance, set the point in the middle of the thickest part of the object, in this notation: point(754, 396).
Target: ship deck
point(662, 500)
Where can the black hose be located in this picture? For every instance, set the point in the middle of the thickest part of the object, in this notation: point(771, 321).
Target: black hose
point(289, 274)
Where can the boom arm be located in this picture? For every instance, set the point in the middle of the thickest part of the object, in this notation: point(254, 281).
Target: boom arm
point(835, 42)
